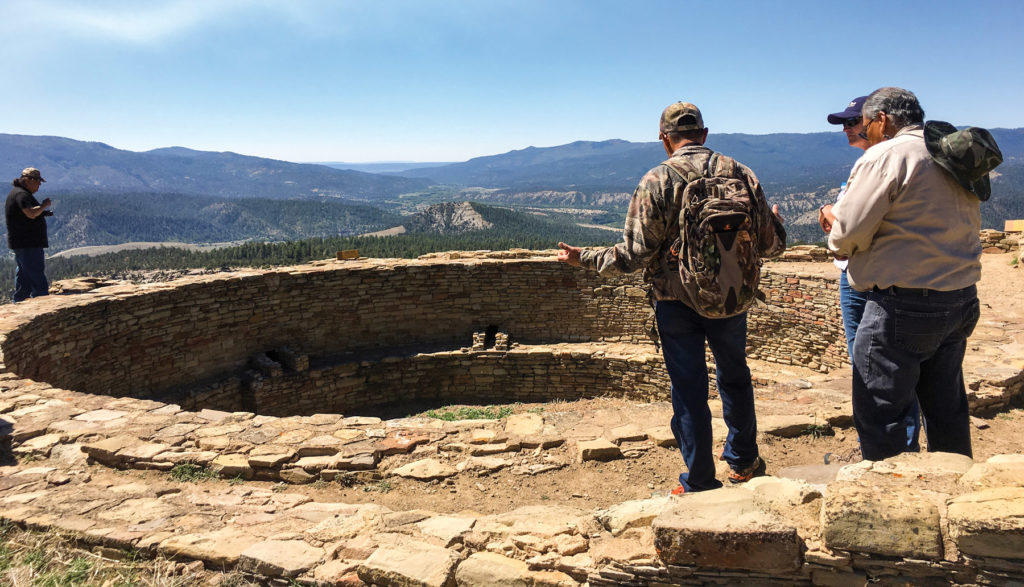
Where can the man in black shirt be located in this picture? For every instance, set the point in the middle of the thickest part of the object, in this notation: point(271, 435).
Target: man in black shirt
point(26, 235)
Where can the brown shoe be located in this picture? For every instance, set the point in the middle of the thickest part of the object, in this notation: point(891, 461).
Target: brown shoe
point(756, 469)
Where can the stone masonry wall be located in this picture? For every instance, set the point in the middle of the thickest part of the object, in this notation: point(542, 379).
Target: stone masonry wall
point(530, 375)
point(801, 324)
point(148, 340)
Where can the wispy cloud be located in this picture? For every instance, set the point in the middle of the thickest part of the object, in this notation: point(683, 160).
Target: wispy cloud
point(128, 21)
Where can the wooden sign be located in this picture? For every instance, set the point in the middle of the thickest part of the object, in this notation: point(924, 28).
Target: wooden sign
point(1014, 226)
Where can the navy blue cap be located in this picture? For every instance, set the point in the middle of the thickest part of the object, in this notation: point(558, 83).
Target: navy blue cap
point(852, 111)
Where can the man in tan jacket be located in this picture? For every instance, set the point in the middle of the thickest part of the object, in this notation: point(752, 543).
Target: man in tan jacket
point(910, 231)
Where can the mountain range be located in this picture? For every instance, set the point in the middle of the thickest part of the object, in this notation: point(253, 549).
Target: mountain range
point(77, 166)
point(593, 179)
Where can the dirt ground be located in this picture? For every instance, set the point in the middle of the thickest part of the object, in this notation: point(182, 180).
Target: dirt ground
point(652, 470)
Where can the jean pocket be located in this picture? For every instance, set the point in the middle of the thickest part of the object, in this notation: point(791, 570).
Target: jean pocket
point(971, 315)
point(920, 332)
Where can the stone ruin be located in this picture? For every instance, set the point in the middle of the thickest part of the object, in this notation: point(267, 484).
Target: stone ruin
point(276, 375)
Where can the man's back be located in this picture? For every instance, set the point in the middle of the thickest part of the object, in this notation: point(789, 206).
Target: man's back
point(907, 222)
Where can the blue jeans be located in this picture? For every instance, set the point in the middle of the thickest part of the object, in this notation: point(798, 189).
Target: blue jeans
point(683, 332)
point(852, 302)
point(29, 276)
point(911, 344)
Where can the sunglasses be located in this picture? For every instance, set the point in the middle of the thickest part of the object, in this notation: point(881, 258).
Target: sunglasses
point(851, 122)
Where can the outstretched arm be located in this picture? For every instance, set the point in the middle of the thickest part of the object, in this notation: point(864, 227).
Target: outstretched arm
point(569, 254)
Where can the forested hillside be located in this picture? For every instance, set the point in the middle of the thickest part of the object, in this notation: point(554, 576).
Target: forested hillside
point(105, 219)
point(509, 229)
point(105, 196)
point(78, 166)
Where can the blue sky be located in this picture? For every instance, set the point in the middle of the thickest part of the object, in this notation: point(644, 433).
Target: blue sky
point(424, 80)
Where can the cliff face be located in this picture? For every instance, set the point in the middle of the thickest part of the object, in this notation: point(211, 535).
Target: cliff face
point(447, 218)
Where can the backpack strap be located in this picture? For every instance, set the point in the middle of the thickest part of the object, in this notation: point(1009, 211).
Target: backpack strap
point(685, 168)
point(712, 167)
point(689, 172)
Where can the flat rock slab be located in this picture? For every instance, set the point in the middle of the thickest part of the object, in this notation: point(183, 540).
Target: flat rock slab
point(481, 465)
point(494, 448)
point(490, 569)
point(401, 443)
point(625, 433)
point(105, 451)
point(631, 514)
point(40, 445)
point(814, 474)
point(863, 518)
point(425, 470)
point(448, 529)
point(524, 424)
point(998, 471)
point(220, 548)
point(726, 529)
point(231, 466)
point(280, 558)
point(662, 436)
point(409, 563)
point(600, 449)
point(989, 523)
point(782, 493)
point(101, 416)
point(938, 471)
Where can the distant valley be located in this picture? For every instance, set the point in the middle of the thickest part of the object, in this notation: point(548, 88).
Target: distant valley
point(106, 196)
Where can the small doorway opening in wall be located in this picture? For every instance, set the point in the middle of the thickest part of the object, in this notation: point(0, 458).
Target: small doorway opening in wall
point(490, 335)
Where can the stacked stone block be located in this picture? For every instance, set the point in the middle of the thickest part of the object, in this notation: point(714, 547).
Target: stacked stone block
point(160, 340)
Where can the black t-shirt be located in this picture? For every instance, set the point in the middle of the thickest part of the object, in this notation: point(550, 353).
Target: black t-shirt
point(24, 232)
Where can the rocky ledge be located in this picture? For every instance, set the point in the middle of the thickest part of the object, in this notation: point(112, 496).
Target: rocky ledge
point(920, 517)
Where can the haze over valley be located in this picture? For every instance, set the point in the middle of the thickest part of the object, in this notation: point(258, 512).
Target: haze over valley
point(108, 196)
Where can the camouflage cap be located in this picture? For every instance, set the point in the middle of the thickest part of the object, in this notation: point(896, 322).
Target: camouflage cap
point(681, 116)
point(968, 155)
point(32, 173)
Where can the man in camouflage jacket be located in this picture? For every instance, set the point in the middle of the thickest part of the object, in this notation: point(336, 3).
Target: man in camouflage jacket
point(652, 224)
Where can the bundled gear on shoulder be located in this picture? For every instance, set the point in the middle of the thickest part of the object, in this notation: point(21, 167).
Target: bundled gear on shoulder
point(716, 254)
point(969, 155)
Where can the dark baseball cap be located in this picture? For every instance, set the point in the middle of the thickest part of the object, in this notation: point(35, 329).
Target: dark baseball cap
point(852, 111)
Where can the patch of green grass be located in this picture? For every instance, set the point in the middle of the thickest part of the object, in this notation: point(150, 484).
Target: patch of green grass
point(190, 473)
point(237, 480)
point(383, 486)
point(6, 558)
point(35, 558)
point(451, 414)
point(56, 560)
point(76, 573)
point(319, 484)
